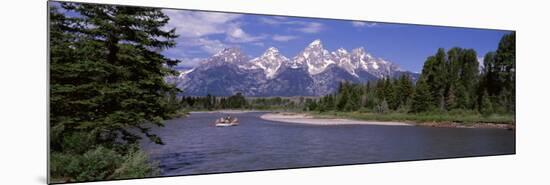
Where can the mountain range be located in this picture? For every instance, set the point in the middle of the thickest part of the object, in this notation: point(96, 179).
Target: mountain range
point(313, 72)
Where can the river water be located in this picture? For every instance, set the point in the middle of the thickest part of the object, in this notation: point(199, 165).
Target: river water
point(193, 145)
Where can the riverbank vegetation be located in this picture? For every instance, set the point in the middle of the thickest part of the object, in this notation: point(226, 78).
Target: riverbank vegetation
point(451, 88)
point(106, 84)
point(461, 117)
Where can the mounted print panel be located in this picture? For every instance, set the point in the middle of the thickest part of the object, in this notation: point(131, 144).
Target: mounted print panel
point(140, 92)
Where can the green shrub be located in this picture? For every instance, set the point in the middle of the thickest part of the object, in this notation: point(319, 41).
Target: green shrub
point(135, 165)
point(97, 164)
point(77, 142)
point(100, 164)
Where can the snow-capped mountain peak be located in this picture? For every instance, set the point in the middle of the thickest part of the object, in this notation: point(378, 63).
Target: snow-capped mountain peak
point(271, 52)
point(228, 51)
point(316, 43)
point(272, 49)
point(343, 60)
point(314, 57)
point(270, 62)
point(361, 58)
point(227, 55)
point(342, 50)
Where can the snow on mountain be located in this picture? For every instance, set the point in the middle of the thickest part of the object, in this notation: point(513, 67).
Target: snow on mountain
point(185, 72)
point(361, 57)
point(344, 61)
point(313, 71)
point(270, 62)
point(375, 66)
point(314, 57)
point(227, 55)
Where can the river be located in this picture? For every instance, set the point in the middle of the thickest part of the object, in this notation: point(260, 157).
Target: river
point(193, 145)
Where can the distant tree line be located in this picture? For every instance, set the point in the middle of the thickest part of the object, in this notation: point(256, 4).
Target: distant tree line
point(210, 102)
point(449, 81)
point(237, 101)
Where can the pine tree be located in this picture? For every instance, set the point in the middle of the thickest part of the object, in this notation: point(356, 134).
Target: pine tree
point(450, 98)
point(380, 89)
point(330, 103)
point(499, 71)
point(462, 98)
point(208, 104)
point(505, 60)
point(354, 100)
point(319, 105)
point(434, 75)
point(107, 73)
point(491, 74)
point(486, 105)
point(343, 96)
point(404, 90)
point(453, 87)
point(422, 99)
point(390, 94)
point(383, 107)
point(469, 77)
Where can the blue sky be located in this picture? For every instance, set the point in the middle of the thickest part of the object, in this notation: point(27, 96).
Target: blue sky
point(202, 34)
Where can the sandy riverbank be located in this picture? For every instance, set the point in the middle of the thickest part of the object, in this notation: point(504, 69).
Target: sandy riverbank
point(307, 119)
point(228, 111)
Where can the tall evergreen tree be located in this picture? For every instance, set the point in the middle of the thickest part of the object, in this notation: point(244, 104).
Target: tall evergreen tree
point(491, 79)
point(486, 105)
point(499, 72)
point(453, 91)
point(433, 75)
point(390, 94)
point(505, 60)
point(404, 90)
point(343, 96)
point(107, 73)
point(422, 99)
point(330, 103)
point(354, 100)
point(469, 78)
point(450, 98)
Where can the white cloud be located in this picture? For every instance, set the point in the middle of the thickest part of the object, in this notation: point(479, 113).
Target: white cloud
point(195, 28)
point(363, 24)
point(311, 27)
point(188, 47)
point(198, 24)
point(269, 21)
point(189, 63)
point(238, 35)
point(211, 46)
point(275, 20)
point(283, 38)
point(302, 26)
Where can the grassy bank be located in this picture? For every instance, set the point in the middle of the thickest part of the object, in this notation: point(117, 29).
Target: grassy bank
point(462, 117)
point(101, 163)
